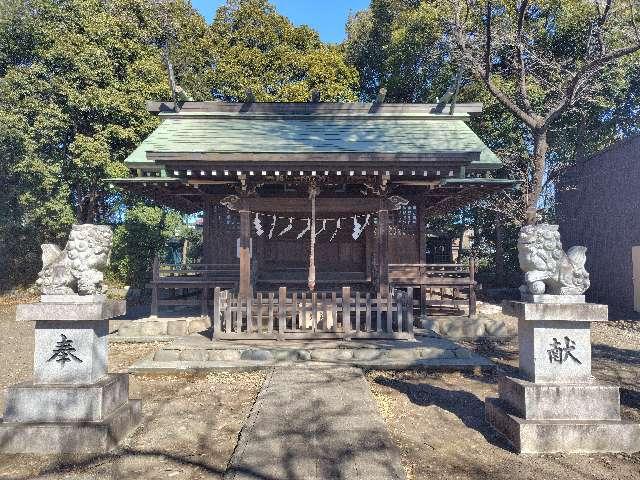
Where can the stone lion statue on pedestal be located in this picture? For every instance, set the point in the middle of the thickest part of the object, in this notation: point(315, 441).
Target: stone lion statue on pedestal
point(547, 268)
point(78, 268)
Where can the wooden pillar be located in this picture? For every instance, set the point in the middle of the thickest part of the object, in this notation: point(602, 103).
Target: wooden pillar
point(282, 312)
point(383, 252)
point(346, 312)
point(154, 287)
point(472, 287)
point(245, 254)
point(216, 313)
point(422, 255)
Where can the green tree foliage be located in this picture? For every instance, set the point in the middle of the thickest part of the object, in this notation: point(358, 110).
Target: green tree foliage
point(74, 78)
point(142, 236)
point(74, 75)
point(400, 45)
point(408, 47)
point(256, 48)
point(543, 61)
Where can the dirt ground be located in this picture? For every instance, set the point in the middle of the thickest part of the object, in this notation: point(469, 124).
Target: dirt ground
point(190, 424)
point(437, 420)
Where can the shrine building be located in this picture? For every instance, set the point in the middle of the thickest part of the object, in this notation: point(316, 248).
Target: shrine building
point(314, 214)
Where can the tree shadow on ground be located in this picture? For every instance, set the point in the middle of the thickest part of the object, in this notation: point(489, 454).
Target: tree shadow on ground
point(619, 355)
point(319, 425)
point(67, 465)
point(128, 459)
point(464, 405)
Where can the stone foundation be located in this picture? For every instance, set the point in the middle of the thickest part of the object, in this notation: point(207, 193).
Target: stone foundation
point(153, 327)
point(45, 438)
point(560, 436)
point(72, 405)
point(557, 405)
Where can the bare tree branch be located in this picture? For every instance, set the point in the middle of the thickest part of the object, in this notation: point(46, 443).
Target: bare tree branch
point(585, 73)
point(487, 46)
point(522, 83)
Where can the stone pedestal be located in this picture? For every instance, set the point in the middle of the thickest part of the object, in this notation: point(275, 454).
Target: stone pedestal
point(72, 405)
point(557, 405)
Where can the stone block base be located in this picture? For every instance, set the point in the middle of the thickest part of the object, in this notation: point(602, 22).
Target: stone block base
point(567, 436)
point(29, 402)
point(595, 400)
point(70, 437)
point(546, 298)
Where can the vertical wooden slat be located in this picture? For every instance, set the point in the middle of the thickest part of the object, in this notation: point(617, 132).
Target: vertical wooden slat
point(324, 311)
point(259, 323)
point(282, 312)
point(154, 287)
point(472, 286)
point(249, 301)
point(314, 312)
point(216, 312)
point(270, 319)
point(399, 310)
point(227, 313)
point(389, 305)
point(303, 311)
point(294, 311)
point(379, 313)
point(239, 309)
point(368, 313)
point(410, 311)
point(358, 313)
point(346, 311)
point(334, 311)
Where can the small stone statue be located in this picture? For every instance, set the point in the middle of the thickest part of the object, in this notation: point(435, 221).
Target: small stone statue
point(78, 268)
point(547, 268)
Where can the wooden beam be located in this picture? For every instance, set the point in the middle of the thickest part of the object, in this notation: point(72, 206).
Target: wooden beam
point(304, 108)
point(313, 161)
point(245, 254)
point(325, 205)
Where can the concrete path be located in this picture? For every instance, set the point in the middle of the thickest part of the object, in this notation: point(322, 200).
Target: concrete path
point(315, 423)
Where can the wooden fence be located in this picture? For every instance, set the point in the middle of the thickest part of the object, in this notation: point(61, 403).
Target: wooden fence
point(441, 283)
point(189, 278)
point(300, 315)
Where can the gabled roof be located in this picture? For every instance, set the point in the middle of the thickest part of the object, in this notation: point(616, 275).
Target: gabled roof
point(313, 134)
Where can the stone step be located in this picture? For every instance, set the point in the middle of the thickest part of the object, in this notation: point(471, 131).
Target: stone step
point(70, 437)
point(29, 402)
point(596, 400)
point(555, 436)
point(336, 355)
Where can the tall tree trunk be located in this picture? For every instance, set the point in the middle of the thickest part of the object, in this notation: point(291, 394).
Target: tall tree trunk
point(499, 255)
point(538, 160)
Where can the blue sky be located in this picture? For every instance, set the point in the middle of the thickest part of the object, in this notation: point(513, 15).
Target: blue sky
point(328, 17)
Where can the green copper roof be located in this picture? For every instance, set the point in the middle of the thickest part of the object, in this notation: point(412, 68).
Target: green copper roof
point(234, 134)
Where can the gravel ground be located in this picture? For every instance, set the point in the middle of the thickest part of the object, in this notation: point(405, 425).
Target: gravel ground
point(437, 420)
point(190, 424)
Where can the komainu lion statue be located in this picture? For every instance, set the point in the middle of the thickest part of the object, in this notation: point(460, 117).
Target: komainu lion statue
point(547, 268)
point(78, 268)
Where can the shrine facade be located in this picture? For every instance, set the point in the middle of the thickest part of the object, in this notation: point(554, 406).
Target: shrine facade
point(322, 199)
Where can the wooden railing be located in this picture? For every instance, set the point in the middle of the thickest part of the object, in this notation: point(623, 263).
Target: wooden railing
point(438, 278)
point(291, 314)
point(200, 277)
